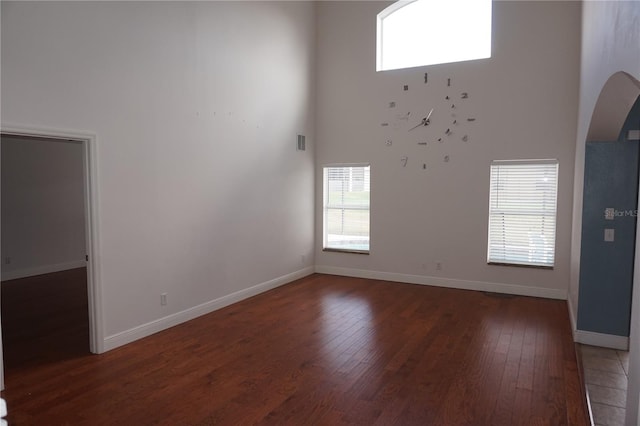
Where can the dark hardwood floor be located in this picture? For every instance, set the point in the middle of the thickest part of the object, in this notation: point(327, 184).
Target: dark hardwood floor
point(44, 319)
point(326, 350)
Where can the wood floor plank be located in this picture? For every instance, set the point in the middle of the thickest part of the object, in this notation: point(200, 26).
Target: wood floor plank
point(324, 350)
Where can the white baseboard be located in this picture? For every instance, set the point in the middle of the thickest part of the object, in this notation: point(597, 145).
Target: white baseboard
point(144, 330)
point(610, 341)
point(548, 293)
point(572, 318)
point(45, 269)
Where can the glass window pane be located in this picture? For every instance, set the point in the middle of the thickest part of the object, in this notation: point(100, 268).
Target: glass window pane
point(346, 208)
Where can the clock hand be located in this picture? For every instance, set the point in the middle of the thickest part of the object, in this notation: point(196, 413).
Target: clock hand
point(418, 125)
point(428, 117)
point(424, 122)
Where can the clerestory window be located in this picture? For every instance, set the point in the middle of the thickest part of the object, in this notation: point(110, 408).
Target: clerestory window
point(415, 33)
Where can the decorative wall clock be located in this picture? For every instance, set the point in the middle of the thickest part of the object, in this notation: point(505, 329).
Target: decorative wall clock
point(444, 119)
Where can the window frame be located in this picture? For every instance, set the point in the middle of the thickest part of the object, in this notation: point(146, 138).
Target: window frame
point(504, 261)
point(480, 33)
point(326, 206)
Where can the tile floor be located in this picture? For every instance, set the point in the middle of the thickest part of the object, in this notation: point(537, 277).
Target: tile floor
point(605, 373)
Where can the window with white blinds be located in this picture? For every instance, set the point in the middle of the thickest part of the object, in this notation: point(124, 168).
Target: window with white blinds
point(346, 192)
point(522, 212)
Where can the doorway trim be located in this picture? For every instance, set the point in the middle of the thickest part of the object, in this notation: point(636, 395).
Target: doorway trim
point(90, 166)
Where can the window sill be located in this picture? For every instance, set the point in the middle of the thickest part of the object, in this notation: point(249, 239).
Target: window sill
point(521, 265)
point(336, 250)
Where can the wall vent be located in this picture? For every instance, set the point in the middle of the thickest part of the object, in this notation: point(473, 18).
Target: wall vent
point(302, 143)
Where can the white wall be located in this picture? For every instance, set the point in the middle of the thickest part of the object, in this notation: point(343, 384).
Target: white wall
point(195, 107)
point(610, 43)
point(42, 206)
point(524, 99)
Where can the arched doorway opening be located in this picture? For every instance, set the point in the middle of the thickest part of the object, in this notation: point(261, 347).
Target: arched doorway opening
point(609, 301)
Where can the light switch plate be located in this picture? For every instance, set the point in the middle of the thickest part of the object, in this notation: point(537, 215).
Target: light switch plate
point(609, 235)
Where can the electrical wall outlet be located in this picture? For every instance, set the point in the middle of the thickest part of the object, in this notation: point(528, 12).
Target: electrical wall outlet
point(438, 266)
point(7, 260)
point(163, 299)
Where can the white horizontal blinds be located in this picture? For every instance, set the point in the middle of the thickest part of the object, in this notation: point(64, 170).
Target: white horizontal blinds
point(346, 207)
point(522, 212)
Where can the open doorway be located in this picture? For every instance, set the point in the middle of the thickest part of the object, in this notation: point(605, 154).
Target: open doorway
point(608, 244)
point(44, 286)
point(49, 298)
point(608, 304)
